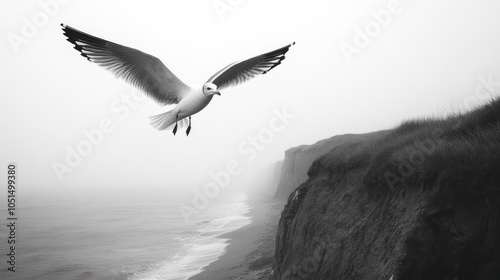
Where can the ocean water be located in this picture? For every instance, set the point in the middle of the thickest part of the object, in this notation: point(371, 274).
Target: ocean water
point(130, 238)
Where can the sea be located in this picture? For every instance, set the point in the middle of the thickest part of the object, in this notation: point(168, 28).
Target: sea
point(129, 237)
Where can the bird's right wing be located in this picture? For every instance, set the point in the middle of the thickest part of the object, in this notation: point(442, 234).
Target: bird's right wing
point(142, 70)
point(242, 71)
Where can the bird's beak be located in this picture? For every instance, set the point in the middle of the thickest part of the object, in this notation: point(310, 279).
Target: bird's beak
point(218, 93)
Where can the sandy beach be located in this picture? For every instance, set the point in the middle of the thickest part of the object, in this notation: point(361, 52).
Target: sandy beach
point(250, 252)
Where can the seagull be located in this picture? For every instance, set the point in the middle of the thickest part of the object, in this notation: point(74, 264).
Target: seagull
point(150, 75)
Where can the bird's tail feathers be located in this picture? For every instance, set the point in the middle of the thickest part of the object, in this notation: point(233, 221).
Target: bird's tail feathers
point(166, 121)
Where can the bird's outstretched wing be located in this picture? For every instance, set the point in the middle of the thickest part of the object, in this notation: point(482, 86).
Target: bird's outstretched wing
point(242, 71)
point(142, 70)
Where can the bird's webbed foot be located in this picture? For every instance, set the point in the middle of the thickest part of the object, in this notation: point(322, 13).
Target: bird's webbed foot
point(175, 127)
point(189, 127)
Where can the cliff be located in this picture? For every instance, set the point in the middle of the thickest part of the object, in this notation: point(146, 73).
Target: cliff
point(298, 160)
point(421, 201)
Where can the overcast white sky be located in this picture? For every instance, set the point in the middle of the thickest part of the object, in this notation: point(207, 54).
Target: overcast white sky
point(428, 58)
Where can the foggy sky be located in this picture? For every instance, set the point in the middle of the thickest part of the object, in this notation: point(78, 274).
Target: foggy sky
point(423, 59)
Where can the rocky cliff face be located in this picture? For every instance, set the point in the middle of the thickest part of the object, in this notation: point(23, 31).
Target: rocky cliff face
point(421, 201)
point(298, 160)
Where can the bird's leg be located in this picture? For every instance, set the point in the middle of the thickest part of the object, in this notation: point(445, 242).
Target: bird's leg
point(175, 127)
point(189, 127)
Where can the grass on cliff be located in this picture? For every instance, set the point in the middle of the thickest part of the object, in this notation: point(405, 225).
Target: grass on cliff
point(460, 148)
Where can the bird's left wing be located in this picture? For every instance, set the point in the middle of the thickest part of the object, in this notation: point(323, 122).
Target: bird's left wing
point(144, 71)
point(242, 71)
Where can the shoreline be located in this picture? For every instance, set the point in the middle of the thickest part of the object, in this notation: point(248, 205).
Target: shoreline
point(250, 250)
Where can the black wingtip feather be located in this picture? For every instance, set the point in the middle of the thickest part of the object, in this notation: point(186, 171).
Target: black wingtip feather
point(76, 37)
point(242, 71)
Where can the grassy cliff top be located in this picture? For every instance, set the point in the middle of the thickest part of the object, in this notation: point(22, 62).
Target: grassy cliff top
point(458, 147)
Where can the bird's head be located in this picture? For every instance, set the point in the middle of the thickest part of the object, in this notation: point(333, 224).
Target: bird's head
point(210, 89)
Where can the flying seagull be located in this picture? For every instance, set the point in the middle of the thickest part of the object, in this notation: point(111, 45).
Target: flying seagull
point(150, 75)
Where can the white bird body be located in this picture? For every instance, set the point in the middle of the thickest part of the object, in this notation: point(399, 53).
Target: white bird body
point(193, 102)
point(149, 74)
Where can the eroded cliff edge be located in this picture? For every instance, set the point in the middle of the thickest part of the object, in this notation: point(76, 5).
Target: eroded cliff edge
point(298, 160)
point(421, 201)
